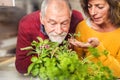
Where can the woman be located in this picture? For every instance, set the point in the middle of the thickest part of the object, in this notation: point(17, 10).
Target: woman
point(103, 22)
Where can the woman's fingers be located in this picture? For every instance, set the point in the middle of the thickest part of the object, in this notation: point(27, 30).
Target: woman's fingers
point(78, 43)
point(94, 42)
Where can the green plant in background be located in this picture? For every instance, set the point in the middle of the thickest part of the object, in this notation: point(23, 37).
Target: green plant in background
point(58, 62)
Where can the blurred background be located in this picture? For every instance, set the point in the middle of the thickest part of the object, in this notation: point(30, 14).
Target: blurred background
point(11, 11)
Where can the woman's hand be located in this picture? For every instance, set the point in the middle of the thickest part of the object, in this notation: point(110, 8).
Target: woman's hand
point(94, 42)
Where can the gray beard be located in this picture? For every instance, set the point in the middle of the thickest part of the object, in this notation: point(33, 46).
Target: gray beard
point(57, 39)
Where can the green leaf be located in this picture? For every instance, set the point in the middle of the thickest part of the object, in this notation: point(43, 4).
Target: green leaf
point(34, 59)
point(31, 52)
point(38, 50)
point(77, 35)
point(27, 48)
point(34, 43)
point(40, 39)
point(30, 68)
point(46, 41)
point(94, 52)
point(105, 52)
point(35, 72)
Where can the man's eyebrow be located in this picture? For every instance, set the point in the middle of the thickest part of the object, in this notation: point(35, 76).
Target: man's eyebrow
point(51, 20)
point(65, 20)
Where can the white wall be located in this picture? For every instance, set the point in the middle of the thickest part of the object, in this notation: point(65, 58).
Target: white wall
point(7, 3)
point(26, 4)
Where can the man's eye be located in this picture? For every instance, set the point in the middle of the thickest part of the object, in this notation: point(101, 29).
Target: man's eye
point(52, 23)
point(65, 23)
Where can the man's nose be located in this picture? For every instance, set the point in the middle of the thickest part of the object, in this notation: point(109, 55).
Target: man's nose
point(58, 29)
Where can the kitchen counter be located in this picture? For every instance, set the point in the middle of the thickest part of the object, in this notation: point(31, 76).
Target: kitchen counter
point(11, 74)
point(8, 71)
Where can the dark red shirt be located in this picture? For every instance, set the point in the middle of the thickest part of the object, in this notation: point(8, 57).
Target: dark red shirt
point(29, 28)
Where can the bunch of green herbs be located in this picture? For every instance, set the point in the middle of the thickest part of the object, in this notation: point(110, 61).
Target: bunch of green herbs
point(58, 62)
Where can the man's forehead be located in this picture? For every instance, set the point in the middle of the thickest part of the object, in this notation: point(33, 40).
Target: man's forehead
point(59, 19)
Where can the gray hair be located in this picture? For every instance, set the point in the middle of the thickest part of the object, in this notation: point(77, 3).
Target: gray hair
point(46, 2)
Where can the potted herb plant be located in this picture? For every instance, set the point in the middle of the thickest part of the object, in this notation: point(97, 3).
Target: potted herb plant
point(58, 62)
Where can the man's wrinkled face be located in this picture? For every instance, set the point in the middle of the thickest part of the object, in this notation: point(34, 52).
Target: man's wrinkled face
point(56, 23)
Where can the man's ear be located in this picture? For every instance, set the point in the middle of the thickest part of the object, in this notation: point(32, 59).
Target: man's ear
point(41, 19)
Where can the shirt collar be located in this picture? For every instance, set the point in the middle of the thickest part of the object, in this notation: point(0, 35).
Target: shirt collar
point(42, 29)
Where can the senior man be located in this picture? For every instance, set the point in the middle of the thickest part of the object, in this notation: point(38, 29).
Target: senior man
point(54, 22)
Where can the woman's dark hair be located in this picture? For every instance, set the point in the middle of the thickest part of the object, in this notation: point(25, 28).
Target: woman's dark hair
point(114, 11)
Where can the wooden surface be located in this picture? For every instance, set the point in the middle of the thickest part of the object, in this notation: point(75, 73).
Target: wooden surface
point(6, 60)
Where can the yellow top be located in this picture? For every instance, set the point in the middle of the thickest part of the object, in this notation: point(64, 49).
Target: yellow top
point(108, 40)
